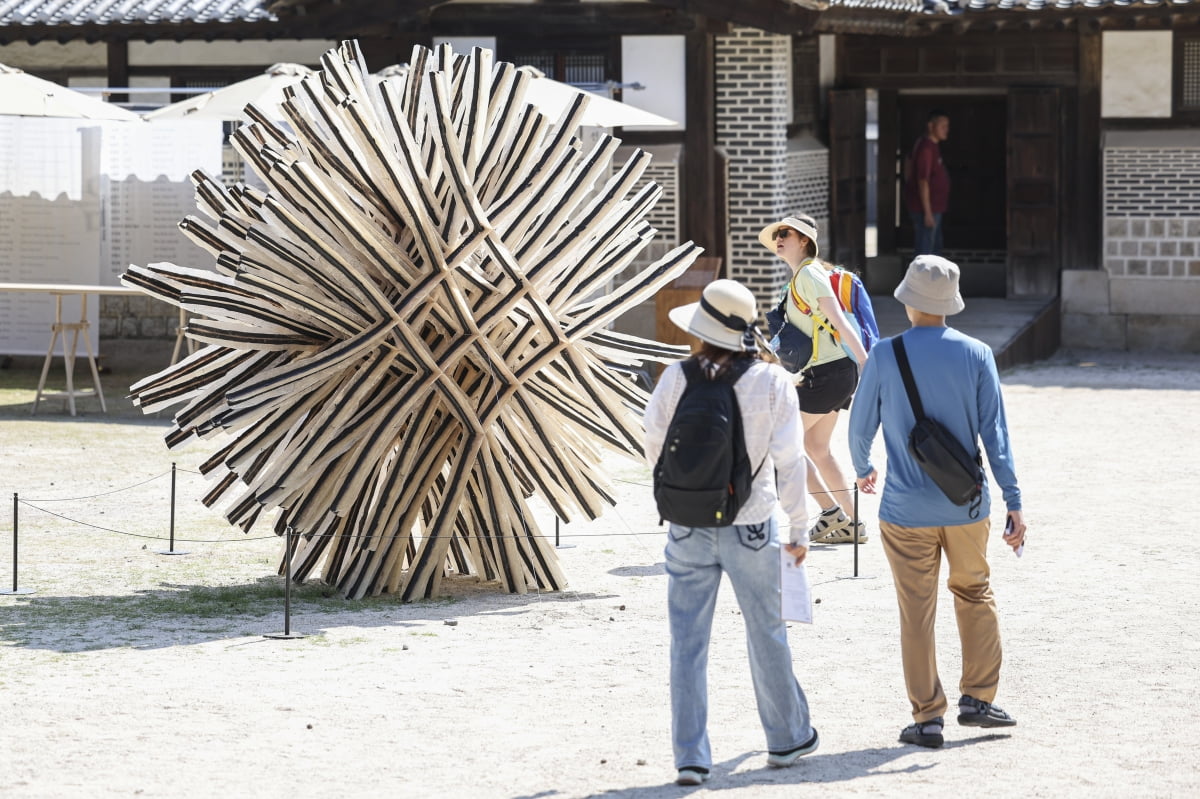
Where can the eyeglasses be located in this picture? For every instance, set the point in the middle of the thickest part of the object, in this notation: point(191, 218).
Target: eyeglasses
point(781, 233)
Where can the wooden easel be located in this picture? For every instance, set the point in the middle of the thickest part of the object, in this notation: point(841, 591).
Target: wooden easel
point(74, 329)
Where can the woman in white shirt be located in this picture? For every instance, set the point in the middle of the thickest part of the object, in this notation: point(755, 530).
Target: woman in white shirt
point(747, 550)
point(830, 376)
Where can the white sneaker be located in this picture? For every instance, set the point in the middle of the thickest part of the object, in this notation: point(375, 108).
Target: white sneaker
point(692, 775)
point(785, 759)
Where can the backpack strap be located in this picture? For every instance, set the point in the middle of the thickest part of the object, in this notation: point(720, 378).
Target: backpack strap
point(914, 399)
point(818, 318)
point(910, 385)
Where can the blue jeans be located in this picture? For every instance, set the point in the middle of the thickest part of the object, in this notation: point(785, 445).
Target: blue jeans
point(695, 560)
point(926, 240)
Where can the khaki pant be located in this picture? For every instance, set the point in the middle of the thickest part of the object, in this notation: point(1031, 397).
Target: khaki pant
point(915, 555)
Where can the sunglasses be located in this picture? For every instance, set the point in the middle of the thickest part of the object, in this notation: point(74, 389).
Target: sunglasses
point(781, 233)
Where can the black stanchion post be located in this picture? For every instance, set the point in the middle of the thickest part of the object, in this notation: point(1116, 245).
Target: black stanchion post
point(855, 528)
point(15, 589)
point(172, 550)
point(857, 540)
point(288, 546)
point(558, 545)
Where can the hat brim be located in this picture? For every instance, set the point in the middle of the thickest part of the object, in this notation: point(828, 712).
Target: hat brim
point(765, 235)
point(691, 319)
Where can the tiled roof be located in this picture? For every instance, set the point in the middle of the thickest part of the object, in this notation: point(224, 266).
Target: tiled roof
point(952, 7)
point(125, 12)
point(69, 13)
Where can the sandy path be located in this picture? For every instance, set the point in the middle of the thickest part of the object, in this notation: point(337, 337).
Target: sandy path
point(565, 695)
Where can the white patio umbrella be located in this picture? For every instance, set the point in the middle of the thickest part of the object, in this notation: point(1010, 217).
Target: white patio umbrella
point(552, 97)
point(25, 95)
point(229, 102)
point(266, 92)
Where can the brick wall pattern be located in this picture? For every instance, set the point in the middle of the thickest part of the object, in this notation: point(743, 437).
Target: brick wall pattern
point(1152, 212)
point(752, 112)
point(663, 217)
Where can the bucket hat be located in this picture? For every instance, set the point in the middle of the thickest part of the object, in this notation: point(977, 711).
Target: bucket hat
point(802, 224)
point(724, 316)
point(931, 285)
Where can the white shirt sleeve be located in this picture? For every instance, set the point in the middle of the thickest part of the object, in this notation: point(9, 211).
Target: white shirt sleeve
point(787, 452)
point(660, 409)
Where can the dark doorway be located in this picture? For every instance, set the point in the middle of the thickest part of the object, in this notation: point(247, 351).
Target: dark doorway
point(974, 156)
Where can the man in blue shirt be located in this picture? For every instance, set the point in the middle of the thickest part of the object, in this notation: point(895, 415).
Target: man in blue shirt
point(956, 379)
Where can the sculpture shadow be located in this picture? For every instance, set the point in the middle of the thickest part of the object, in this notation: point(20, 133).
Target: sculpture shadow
point(173, 615)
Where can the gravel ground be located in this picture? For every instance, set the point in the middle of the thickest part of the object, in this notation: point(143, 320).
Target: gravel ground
point(132, 673)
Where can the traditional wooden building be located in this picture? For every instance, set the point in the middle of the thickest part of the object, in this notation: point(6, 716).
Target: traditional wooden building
point(1074, 149)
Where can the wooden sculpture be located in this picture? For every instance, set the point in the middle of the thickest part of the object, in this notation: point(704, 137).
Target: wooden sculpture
point(407, 335)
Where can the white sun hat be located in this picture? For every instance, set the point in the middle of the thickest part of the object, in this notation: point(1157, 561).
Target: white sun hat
point(724, 317)
point(805, 225)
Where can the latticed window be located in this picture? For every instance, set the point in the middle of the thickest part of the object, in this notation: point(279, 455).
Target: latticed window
point(569, 65)
point(1189, 74)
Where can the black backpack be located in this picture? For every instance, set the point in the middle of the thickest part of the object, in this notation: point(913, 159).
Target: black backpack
point(703, 475)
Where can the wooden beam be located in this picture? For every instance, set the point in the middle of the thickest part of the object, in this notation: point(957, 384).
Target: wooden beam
point(889, 142)
point(520, 19)
point(118, 68)
point(1087, 221)
point(699, 176)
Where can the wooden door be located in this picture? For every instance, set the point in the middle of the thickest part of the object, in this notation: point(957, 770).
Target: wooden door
point(1033, 192)
point(846, 244)
point(974, 159)
point(889, 159)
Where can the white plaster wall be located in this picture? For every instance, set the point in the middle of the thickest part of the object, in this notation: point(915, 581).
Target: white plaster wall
point(1135, 75)
point(659, 63)
point(52, 55)
point(463, 44)
point(187, 54)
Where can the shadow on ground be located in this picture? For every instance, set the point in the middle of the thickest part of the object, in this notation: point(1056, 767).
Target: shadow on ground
point(183, 615)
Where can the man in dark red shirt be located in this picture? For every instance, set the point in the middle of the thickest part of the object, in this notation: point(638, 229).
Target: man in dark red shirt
point(927, 186)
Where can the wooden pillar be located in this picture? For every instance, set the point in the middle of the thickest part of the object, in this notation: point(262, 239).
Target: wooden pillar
point(118, 68)
point(699, 175)
point(885, 201)
point(1088, 216)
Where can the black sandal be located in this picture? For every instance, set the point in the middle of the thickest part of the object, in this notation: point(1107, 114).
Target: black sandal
point(975, 713)
point(924, 733)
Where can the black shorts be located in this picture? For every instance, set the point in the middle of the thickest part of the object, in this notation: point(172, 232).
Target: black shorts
point(828, 386)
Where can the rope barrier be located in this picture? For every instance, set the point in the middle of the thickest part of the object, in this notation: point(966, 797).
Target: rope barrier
point(106, 493)
point(482, 536)
point(290, 537)
point(140, 535)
